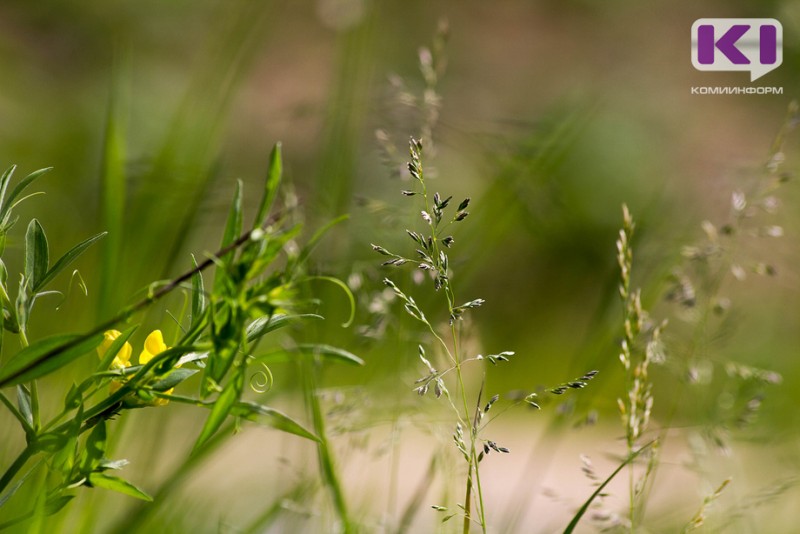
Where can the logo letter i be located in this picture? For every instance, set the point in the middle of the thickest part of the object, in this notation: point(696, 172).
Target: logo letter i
point(705, 44)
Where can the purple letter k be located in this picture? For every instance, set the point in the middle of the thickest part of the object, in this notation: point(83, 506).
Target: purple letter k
point(726, 44)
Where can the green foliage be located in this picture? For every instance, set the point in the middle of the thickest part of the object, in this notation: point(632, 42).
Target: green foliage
point(253, 295)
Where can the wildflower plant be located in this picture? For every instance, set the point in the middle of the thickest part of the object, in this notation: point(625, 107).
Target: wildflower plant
point(254, 292)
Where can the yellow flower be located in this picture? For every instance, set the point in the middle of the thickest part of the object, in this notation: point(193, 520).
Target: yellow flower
point(123, 357)
point(153, 345)
point(121, 360)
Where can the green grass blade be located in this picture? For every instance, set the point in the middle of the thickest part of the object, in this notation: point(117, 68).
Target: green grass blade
point(582, 510)
point(113, 186)
point(327, 463)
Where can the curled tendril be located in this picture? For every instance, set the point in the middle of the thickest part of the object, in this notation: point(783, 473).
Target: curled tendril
point(261, 381)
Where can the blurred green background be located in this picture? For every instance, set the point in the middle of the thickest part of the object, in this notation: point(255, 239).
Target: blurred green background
point(553, 114)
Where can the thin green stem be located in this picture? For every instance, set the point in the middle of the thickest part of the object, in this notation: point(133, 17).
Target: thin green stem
point(326, 461)
point(14, 468)
point(455, 357)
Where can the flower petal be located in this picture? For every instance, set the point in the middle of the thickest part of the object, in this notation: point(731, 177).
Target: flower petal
point(123, 357)
point(154, 344)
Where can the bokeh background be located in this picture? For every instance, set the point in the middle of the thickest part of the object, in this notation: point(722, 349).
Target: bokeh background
point(553, 113)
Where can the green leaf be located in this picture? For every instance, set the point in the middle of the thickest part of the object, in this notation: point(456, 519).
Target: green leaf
point(24, 403)
point(4, 181)
point(221, 408)
point(268, 323)
point(55, 504)
point(274, 173)
point(172, 379)
point(329, 352)
point(36, 254)
point(64, 459)
point(271, 417)
point(66, 259)
point(43, 508)
point(198, 293)
point(226, 332)
point(18, 189)
point(324, 352)
point(95, 448)
point(233, 228)
point(45, 356)
point(101, 480)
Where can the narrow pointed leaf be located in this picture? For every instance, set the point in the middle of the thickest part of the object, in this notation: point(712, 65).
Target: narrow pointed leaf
point(4, 180)
point(19, 188)
point(221, 408)
point(318, 235)
point(95, 447)
point(331, 353)
point(274, 174)
point(101, 480)
point(70, 256)
point(198, 293)
point(45, 356)
point(579, 514)
point(232, 228)
point(271, 417)
point(115, 347)
point(24, 403)
point(234, 225)
point(36, 254)
point(172, 379)
point(268, 323)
